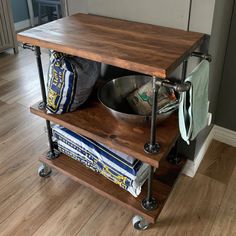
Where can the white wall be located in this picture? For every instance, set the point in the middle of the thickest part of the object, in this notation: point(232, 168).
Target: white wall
point(170, 13)
point(159, 12)
point(202, 16)
point(75, 6)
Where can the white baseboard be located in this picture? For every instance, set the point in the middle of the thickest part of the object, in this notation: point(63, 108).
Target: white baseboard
point(191, 167)
point(225, 135)
point(24, 24)
point(218, 133)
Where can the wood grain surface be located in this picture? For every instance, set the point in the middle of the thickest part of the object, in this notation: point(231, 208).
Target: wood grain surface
point(83, 175)
point(225, 221)
point(144, 48)
point(220, 162)
point(73, 214)
point(95, 122)
point(190, 209)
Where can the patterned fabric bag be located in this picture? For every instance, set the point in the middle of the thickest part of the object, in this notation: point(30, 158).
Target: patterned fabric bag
point(70, 82)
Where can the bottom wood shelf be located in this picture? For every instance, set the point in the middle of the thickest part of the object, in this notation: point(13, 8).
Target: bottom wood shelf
point(163, 182)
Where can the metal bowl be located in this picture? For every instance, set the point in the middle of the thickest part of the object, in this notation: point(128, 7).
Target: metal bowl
point(113, 96)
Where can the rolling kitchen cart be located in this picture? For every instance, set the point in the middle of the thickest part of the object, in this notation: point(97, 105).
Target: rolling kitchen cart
point(148, 49)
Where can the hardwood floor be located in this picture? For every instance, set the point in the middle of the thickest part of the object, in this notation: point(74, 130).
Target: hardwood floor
point(57, 206)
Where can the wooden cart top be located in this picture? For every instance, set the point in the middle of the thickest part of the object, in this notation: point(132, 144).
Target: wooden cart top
point(145, 48)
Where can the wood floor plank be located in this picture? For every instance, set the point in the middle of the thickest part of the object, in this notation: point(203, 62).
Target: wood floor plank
point(8, 88)
point(22, 188)
point(110, 219)
point(21, 65)
point(14, 122)
point(190, 210)
point(8, 58)
point(30, 98)
point(19, 137)
point(28, 71)
point(2, 81)
point(225, 223)
point(219, 162)
point(20, 79)
point(72, 215)
point(9, 111)
point(30, 215)
point(17, 164)
point(11, 92)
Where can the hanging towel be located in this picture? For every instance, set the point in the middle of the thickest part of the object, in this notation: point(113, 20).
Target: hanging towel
point(193, 108)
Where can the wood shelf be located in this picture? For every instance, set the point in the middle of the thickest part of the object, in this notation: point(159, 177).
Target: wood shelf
point(144, 48)
point(162, 184)
point(95, 122)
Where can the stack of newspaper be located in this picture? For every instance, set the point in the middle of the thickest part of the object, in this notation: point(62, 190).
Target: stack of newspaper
point(126, 171)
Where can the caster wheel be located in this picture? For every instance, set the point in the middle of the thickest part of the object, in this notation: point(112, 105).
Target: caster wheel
point(44, 171)
point(140, 223)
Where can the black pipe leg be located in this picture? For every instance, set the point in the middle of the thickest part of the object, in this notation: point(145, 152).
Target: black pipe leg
point(173, 156)
point(150, 203)
point(52, 153)
point(184, 70)
point(153, 147)
point(42, 105)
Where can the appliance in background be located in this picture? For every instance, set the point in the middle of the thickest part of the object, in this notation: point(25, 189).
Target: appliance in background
point(48, 10)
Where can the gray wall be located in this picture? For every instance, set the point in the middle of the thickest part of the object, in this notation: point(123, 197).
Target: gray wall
point(218, 44)
point(226, 106)
point(19, 10)
point(217, 48)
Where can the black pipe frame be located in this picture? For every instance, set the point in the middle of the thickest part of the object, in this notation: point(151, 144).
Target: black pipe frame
point(150, 203)
point(52, 153)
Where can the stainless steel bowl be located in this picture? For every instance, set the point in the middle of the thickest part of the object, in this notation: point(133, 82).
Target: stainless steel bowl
point(113, 96)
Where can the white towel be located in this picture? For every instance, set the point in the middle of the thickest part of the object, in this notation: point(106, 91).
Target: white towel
point(193, 108)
